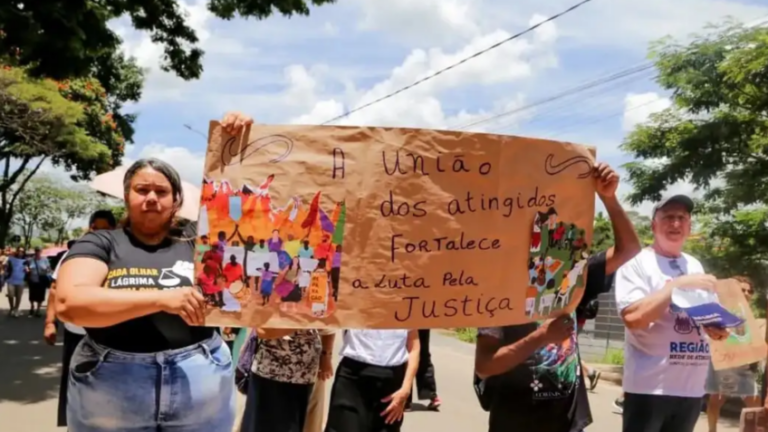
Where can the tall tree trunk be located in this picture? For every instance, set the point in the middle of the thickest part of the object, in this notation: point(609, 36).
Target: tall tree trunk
point(5, 227)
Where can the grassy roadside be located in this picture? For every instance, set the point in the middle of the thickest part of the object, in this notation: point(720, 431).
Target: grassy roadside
point(466, 334)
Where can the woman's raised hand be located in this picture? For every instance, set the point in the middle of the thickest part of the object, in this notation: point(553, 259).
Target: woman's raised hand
point(234, 121)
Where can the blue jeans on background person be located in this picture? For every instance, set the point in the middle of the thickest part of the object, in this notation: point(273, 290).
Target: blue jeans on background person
point(190, 389)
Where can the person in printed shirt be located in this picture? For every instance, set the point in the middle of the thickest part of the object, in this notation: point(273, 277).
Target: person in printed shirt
point(132, 290)
point(99, 220)
point(39, 272)
point(16, 274)
point(666, 354)
point(315, 421)
point(529, 374)
point(285, 368)
point(740, 382)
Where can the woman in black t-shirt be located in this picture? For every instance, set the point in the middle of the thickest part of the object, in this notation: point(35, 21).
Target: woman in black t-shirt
point(144, 364)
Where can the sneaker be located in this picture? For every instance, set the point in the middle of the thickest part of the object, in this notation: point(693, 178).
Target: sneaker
point(594, 377)
point(434, 404)
point(618, 406)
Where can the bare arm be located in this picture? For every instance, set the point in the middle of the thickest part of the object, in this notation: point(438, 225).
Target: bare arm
point(414, 347)
point(491, 358)
point(627, 244)
point(642, 313)
point(50, 311)
point(328, 339)
point(81, 299)
point(266, 334)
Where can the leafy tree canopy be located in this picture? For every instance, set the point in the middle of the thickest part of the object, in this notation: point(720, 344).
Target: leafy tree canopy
point(716, 132)
point(49, 207)
point(714, 135)
point(70, 123)
point(69, 38)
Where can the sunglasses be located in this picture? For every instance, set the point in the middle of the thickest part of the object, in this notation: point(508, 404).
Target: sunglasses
point(676, 267)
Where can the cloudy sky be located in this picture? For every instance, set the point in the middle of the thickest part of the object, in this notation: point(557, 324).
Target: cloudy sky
point(311, 69)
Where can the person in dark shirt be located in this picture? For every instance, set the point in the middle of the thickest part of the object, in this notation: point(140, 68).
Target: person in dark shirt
point(145, 363)
point(530, 373)
point(101, 219)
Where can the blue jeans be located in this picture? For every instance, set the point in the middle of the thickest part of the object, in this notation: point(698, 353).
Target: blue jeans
point(185, 390)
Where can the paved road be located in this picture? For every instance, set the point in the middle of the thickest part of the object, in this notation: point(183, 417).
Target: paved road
point(29, 377)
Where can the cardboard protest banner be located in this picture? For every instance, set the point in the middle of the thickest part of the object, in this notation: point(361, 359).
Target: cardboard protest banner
point(394, 228)
point(745, 344)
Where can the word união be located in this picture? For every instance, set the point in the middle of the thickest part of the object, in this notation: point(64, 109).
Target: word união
point(418, 165)
point(439, 244)
point(466, 306)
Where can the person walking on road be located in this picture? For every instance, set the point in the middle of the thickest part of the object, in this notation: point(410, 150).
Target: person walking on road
point(586, 312)
point(662, 388)
point(512, 381)
point(39, 278)
point(16, 278)
point(426, 386)
point(738, 382)
point(146, 363)
point(374, 380)
point(99, 220)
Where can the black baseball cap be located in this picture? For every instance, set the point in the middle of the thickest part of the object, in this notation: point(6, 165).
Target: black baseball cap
point(684, 200)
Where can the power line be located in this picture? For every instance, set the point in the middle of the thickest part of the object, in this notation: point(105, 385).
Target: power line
point(459, 63)
point(587, 101)
point(572, 126)
point(569, 92)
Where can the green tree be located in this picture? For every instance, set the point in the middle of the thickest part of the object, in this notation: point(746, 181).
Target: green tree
point(48, 208)
point(34, 205)
point(602, 233)
point(714, 135)
point(76, 232)
point(74, 124)
point(69, 38)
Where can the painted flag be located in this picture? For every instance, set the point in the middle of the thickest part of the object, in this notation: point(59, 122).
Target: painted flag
point(325, 222)
point(235, 208)
point(202, 221)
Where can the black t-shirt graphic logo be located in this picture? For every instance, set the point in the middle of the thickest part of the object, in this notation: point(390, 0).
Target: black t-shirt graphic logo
point(180, 275)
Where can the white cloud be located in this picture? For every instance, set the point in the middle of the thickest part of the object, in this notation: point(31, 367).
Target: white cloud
point(189, 164)
point(160, 85)
point(330, 29)
point(421, 106)
point(429, 22)
point(625, 24)
point(639, 107)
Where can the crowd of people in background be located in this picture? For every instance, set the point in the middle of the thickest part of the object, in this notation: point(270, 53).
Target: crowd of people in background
point(117, 341)
point(21, 272)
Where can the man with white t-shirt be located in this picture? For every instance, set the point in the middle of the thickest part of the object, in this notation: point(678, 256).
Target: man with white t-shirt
point(100, 220)
point(666, 355)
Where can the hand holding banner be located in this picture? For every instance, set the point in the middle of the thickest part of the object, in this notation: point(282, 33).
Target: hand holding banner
point(745, 344)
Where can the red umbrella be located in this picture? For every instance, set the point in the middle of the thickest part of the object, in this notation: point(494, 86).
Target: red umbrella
point(111, 183)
